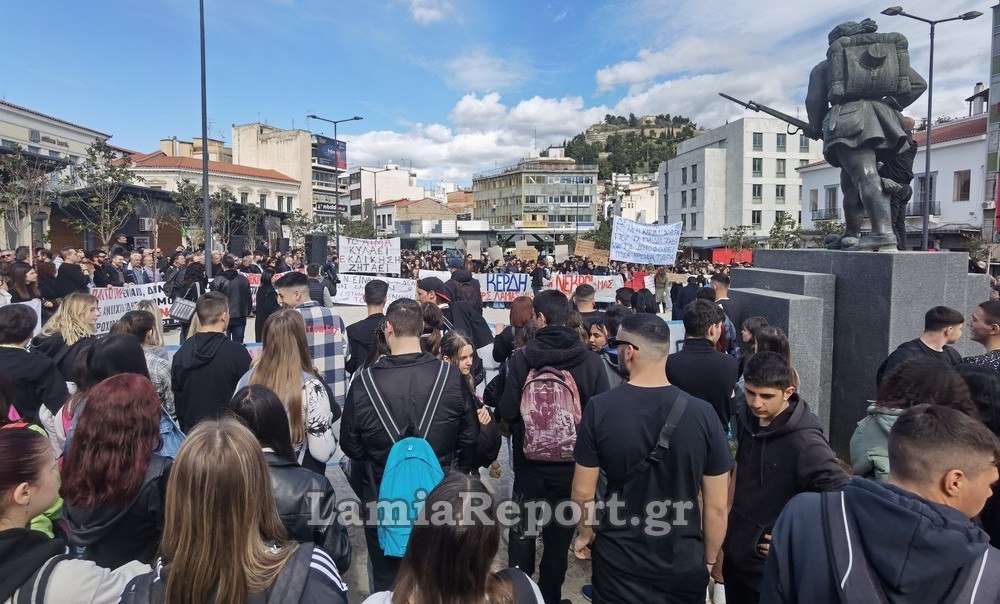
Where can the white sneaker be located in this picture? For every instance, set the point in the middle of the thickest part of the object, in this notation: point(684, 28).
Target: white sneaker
point(718, 593)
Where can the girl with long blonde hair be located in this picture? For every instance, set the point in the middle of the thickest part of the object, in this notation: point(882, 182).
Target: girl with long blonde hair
point(285, 366)
point(155, 342)
point(219, 496)
point(73, 325)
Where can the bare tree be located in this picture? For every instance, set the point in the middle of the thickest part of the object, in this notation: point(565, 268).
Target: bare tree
point(250, 224)
point(26, 188)
point(162, 213)
point(97, 198)
point(225, 220)
point(190, 210)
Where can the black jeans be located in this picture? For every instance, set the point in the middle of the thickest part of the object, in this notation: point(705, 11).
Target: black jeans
point(556, 539)
point(613, 586)
point(384, 568)
point(897, 207)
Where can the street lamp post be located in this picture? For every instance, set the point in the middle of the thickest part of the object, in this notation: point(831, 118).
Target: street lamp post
point(206, 213)
point(374, 174)
point(336, 171)
point(894, 11)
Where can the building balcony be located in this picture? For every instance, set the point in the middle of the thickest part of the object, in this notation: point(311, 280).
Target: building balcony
point(916, 208)
point(826, 214)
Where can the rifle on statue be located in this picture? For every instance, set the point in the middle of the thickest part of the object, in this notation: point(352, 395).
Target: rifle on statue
point(791, 121)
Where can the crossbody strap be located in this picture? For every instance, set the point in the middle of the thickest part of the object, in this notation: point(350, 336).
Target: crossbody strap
point(33, 590)
point(846, 554)
point(435, 399)
point(662, 443)
point(381, 409)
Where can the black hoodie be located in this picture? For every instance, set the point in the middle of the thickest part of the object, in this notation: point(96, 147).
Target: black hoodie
point(204, 375)
point(54, 347)
point(22, 552)
point(560, 348)
point(915, 548)
point(774, 464)
point(463, 287)
point(114, 535)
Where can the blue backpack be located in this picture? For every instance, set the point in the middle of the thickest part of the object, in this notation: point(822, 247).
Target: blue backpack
point(412, 470)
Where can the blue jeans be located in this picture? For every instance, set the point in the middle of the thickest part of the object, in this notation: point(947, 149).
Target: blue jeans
point(236, 331)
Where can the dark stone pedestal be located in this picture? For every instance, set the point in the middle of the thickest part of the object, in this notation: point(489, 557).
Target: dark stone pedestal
point(868, 303)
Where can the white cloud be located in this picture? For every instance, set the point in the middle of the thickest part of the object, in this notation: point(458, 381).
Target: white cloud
point(472, 113)
point(479, 70)
point(430, 11)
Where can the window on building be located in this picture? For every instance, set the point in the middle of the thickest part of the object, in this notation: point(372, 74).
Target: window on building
point(779, 168)
point(74, 159)
point(289, 201)
point(55, 154)
point(757, 165)
point(684, 222)
point(799, 195)
point(244, 198)
point(803, 163)
point(758, 141)
point(919, 195)
point(758, 192)
point(281, 202)
point(694, 221)
point(694, 173)
point(6, 144)
point(779, 193)
point(963, 183)
point(779, 215)
point(694, 197)
point(34, 150)
point(263, 200)
point(684, 176)
point(684, 199)
point(831, 198)
point(813, 200)
point(782, 142)
point(803, 143)
point(755, 218)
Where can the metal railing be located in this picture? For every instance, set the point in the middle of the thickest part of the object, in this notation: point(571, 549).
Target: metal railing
point(826, 214)
point(916, 208)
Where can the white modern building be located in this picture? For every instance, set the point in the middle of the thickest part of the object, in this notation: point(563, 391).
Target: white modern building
point(367, 187)
point(743, 173)
point(296, 154)
point(958, 183)
point(639, 202)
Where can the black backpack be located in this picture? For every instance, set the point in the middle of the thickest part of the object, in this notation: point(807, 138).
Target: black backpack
point(858, 583)
point(33, 590)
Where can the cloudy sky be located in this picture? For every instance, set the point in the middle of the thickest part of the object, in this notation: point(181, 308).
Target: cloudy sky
point(450, 87)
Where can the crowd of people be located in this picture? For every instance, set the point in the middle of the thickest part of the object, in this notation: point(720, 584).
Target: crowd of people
point(691, 468)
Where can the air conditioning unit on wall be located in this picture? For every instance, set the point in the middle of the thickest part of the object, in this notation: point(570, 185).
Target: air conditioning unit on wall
point(147, 225)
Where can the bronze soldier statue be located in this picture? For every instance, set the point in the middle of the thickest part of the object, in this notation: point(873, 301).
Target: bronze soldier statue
point(854, 101)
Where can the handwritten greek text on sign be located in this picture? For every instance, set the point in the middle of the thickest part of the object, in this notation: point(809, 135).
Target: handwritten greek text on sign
point(644, 243)
point(372, 256)
point(351, 289)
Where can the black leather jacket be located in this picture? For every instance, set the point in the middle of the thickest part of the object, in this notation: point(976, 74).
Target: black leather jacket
point(294, 488)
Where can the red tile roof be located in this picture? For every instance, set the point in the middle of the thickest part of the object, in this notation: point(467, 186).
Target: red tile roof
point(940, 133)
point(158, 159)
point(54, 119)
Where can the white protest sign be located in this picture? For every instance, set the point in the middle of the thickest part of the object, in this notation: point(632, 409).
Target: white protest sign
point(644, 243)
point(351, 289)
point(369, 255)
point(113, 302)
point(35, 305)
point(473, 248)
point(562, 253)
point(521, 244)
point(496, 253)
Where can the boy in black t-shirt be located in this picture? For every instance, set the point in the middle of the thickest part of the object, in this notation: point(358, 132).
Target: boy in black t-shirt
point(656, 546)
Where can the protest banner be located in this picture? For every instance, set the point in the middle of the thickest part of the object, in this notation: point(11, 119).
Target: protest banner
point(677, 278)
point(473, 248)
point(503, 287)
point(562, 253)
point(521, 244)
point(604, 287)
point(496, 253)
point(644, 243)
point(584, 248)
point(600, 257)
point(372, 256)
point(113, 302)
point(351, 289)
point(527, 255)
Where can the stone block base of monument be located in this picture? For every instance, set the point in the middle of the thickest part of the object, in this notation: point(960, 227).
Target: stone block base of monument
point(846, 311)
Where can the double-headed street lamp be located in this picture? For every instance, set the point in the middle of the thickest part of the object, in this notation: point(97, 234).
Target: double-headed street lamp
point(894, 11)
point(336, 169)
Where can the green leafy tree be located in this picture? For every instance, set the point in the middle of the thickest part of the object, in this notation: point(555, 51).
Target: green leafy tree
point(739, 238)
point(225, 215)
point(785, 234)
point(601, 234)
point(359, 229)
point(26, 188)
point(977, 247)
point(190, 211)
point(96, 199)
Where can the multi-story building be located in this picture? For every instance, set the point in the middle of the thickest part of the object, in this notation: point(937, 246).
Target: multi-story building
point(394, 214)
point(548, 193)
point(638, 202)
point(217, 149)
point(743, 173)
point(368, 187)
point(959, 194)
point(296, 154)
point(992, 167)
point(463, 202)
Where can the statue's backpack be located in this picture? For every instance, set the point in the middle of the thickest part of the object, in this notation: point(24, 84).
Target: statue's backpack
point(868, 66)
